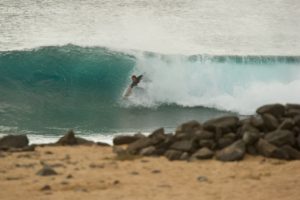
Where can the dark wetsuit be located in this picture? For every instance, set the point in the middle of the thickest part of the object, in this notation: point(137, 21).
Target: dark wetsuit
point(136, 82)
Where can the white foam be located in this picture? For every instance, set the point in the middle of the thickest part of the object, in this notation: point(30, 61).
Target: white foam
point(231, 87)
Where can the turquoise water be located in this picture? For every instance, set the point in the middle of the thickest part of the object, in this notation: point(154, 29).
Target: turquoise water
point(46, 91)
point(65, 64)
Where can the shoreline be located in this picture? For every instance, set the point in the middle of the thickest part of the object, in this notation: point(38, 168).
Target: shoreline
point(222, 158)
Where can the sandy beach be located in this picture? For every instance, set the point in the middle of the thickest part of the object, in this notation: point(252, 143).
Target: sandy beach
point(93, 172)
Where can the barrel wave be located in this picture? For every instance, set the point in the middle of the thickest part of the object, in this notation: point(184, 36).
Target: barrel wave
point(47, 89)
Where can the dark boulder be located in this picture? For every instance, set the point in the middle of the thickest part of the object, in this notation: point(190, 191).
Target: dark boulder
point(234, 152)
point(225, 124)
point(46, 171)
point(276, 110)
point(251, 137)
point(148, 151)
point(185, 145)
point(188, 127)
point(203, 153)
point(270, 122)
point(298, 142)
point(82, 141)
point(163, 146)
point(14, 141)
point(281, 137)
point(68, 139)
point(294, 154)
point(297, 120)
point(246, 128)
point(224, 142)
point(251, 150)
point(158, 135)
point(257, 122)
point(204, 135)
point(124, 139)
point(173, 155)
point(135, 147)
point(292, 112)
point(292, 106)
point(269, 150)
point(287, 124)
point(211, 144)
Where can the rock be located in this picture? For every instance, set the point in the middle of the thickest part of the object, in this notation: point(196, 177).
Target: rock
point(224, 142)
point(251, 150)
point(202, 179)
point(225, 124)
point(247, 128)
point(203, 153)
point(287, 124)
point(158, 135)
point(235, 151)
point(292, 112)
point(270, 122)
point(45, 188)
point(281, 137)
point(292, 106)
point(102, 144)
point(188, 127)
point(276, 110)
point(46, 171)
point(211, 144)
point(68, 139)
point(184, 156)
point(293, 153)
point(14, 141)
point(257, 122)
point(120, 151)
point(204, 135)
point(156, 171)
point(298, 142)
point(124, 139)
point(173, 154)
point(269, 150)
point(297, 120)
point(251, 137)
point(148, 151)
point(82, 141)
point(135, 147)
point(163, 146)
point(185, 145)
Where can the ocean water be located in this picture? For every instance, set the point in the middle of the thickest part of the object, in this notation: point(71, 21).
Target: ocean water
point(66, 64)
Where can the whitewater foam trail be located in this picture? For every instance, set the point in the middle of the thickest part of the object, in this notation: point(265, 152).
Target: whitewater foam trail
point(231, 86)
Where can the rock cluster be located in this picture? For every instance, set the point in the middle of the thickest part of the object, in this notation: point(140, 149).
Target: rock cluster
point(274, 132)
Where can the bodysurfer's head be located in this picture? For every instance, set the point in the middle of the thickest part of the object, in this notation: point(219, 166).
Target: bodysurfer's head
point(134, 78)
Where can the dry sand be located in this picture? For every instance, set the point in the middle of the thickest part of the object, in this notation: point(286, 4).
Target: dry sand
point(96, 174)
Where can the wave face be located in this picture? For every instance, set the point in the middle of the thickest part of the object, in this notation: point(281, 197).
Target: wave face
point(52, 88)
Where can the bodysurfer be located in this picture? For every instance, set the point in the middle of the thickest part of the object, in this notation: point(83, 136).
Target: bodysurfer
point(135, 80)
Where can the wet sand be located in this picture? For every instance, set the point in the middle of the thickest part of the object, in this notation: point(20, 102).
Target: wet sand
point(93, 172)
